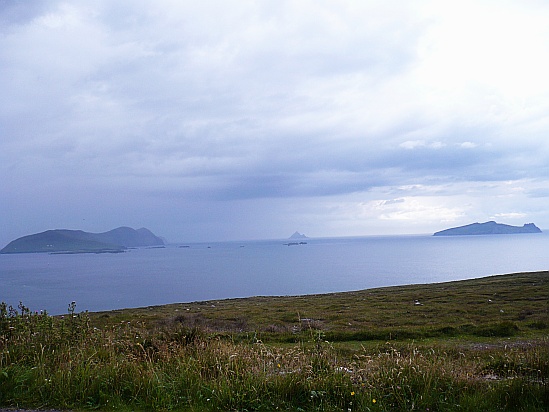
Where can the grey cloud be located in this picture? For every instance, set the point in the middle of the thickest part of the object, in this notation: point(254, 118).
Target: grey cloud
point(20, 12)
point(247, 103)
point(296, 185)
point(538, 192)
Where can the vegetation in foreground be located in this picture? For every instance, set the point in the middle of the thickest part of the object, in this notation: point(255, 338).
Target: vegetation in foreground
point(460, 346)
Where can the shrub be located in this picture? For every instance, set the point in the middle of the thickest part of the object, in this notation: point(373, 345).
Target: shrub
point(502, 330)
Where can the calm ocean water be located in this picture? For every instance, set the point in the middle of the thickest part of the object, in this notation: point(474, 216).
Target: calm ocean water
point(209, 271)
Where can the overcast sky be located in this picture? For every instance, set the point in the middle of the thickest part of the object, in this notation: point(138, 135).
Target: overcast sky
point(235, 120)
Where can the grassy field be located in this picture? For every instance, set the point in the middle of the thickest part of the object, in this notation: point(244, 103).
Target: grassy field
point(475, 345)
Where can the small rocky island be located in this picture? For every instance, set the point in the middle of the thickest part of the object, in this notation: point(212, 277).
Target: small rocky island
point(78, 241)
point(488, 228)
point(298, 235)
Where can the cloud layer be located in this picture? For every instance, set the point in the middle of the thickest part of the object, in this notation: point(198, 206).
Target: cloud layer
point(217, 120)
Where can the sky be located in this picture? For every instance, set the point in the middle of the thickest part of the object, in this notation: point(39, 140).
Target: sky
point(215, 120)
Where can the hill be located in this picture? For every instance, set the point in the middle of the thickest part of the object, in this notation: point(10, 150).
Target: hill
point(78, 241)
point(489, 228)
point(473, 345)
point(466, 307)
point(298, 235)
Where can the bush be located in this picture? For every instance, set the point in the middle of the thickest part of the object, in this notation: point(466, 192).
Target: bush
point(501, 330)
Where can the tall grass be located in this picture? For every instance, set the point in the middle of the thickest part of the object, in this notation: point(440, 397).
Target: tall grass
point(54, 362)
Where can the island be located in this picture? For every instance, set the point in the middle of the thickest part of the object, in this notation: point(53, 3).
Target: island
point(488, 228)
point(298, 235)
point(77, 241)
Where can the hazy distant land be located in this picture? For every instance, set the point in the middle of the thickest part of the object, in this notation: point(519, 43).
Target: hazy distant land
point(78, 241)
point(297, 235)
point(489, 228)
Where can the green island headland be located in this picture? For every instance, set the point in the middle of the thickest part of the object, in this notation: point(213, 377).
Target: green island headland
point(77, 241)
point(489, 228)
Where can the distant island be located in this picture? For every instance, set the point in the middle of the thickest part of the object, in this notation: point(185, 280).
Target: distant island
point(78, 241)
point(298, 235)
point(488, 228)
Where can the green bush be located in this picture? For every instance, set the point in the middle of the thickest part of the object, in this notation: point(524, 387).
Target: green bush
point(502, 330)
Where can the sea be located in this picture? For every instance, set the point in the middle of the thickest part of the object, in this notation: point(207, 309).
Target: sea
point(213, 271)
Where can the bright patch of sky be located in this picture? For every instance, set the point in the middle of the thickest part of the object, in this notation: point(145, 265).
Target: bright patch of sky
point(220, 120)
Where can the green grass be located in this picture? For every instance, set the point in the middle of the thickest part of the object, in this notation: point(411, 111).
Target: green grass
point(481, 307)
point(468, 346)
